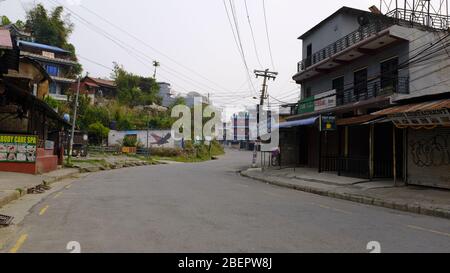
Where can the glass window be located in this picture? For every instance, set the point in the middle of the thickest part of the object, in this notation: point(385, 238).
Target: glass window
point(52, 70)
point(52, 88)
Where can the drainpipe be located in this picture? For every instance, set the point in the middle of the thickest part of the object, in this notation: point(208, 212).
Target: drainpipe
point(394, 148)
point(371, 151)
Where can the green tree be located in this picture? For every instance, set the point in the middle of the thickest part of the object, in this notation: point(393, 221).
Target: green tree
point(52, 28)
point(4, 20)
point(98, 132)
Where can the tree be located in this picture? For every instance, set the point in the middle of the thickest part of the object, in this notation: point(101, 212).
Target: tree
point(98, 132)
point(52, 28)
point(134, 90)
point(4, 20)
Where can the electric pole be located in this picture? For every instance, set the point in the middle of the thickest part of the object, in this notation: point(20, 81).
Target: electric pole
point(74, 120)
point(267, 75)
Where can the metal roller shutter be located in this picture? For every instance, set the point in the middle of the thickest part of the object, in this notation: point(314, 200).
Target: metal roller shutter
point(429, 157)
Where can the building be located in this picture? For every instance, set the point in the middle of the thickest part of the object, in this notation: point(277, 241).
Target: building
point(166, 93)
point(193, 98)
point(56, 61)
point(98, 90)
point(355, 64)
point(31, 133)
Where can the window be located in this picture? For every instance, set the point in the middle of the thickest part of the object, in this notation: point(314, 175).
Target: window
point(307, 92)
point(389, 73)
point(52, 88)
point(360, 82)
point(52, 70)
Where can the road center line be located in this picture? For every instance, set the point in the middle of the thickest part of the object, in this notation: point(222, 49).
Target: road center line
point(19, 243)
point(68, 186)
point(334, 209)
point(272, 194)
point(429, 230)
point(43, 210)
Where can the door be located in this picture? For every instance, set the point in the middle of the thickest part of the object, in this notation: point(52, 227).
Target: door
point(389, 75)
point(338, 85)
point(360, 82)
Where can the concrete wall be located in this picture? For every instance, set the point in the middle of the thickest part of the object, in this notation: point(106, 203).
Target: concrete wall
point(115, 137)
point(330, 32)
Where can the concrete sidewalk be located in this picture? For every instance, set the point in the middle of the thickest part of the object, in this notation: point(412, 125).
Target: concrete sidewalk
point(421, 200)
point(15, 185)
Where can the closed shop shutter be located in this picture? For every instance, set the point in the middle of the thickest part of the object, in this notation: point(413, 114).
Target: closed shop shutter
point(429, 157)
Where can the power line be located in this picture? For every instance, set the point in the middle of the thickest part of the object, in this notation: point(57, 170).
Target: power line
point(239, 40)
point(253, 35)
point(267, 34)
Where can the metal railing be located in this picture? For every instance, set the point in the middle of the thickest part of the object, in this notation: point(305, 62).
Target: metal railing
point(414, 18)
point(372, 89)
point(347, 41)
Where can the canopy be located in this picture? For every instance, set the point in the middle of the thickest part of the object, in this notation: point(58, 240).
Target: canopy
point(298, 123)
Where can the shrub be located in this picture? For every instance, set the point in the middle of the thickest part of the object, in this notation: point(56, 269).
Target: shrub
point(166, 152)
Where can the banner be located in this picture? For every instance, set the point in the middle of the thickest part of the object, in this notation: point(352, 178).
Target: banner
point(16, 148)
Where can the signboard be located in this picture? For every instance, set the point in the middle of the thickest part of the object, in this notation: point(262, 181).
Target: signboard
point(16, 148)
point(422, 118)
point(50, 55)
point(318, 102)
point(328, 123)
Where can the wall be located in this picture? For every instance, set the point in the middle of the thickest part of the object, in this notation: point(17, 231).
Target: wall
point(429, 157)
point(115, 136)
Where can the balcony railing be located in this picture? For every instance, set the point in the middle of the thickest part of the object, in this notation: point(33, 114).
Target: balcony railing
point(432, 20)
point(340, 45)
point(380, 86)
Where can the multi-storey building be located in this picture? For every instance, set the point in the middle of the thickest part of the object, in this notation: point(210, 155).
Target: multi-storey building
point(356, 63)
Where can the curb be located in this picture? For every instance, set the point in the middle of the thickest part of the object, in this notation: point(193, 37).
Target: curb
point(16, 194)
point(362, 199)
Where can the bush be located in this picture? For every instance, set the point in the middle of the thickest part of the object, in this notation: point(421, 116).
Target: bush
point(166, 152)
point(130, 141)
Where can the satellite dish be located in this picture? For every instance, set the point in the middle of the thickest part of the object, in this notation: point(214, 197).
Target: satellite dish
point(363, 20)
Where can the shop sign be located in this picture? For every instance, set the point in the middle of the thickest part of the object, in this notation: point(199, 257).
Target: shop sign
point(318, 102)
point(328, 123)
point(422, 118)
point(18, 148)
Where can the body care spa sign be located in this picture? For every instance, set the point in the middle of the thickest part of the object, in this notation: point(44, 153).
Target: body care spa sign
point(18, 148)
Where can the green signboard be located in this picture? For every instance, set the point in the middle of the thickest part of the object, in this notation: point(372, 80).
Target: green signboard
point(306, 105)
point(18, 148)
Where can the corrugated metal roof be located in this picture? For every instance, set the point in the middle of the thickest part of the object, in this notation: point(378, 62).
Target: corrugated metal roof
point(5, 39)
point(356, 120)
point(416, 107)
point(44, 47)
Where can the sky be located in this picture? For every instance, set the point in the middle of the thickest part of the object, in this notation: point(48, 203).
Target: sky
point(193, 41)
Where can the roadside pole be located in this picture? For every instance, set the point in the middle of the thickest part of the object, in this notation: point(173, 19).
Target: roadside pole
point(266, 75)
point(74, 120)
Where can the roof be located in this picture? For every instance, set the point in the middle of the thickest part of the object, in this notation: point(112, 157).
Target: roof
point(44, 47)
point(356, 120)
point(416, 107)
point(5, 39)
point(342, 10)
point(103, 82)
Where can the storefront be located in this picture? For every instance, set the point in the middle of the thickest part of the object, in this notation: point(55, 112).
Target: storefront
point(427, 127)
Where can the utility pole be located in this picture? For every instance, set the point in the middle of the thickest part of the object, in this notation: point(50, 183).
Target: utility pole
point(74, 120)
point(267, 75)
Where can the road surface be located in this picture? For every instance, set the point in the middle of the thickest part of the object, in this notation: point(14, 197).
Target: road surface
point(208, 207)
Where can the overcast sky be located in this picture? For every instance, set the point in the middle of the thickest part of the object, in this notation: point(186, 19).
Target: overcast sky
point(197, 35)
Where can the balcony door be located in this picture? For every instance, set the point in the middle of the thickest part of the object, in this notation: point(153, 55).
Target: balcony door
point(389, 74)
point(338, 85)
point(360, 82)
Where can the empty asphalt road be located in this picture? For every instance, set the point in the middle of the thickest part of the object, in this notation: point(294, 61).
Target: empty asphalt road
point(208, 207)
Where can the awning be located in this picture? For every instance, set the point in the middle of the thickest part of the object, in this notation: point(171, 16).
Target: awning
point(297, 123)
point(356, 120)
point(417, 107)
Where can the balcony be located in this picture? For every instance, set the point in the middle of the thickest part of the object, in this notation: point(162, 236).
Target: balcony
point(334, 99)
point(372, 89)
point(366, 40)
